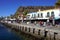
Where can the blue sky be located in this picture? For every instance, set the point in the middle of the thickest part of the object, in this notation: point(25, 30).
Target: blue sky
point(8, 7)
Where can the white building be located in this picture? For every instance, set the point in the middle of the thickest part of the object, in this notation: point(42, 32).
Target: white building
point(45, 14)
point(9, 20)
point(31, 15)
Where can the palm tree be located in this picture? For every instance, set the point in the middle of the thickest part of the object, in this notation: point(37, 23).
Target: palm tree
point(25, 12)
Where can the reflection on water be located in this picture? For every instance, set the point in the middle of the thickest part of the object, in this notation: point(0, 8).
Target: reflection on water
point(7, 34)
point(9, 30)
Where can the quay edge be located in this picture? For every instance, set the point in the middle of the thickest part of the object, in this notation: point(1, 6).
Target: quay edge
point(37, 32)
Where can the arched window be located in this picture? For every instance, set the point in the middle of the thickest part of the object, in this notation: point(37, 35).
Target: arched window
point(28, 16)
point(52, 13)
point(48, 14)
point(38, 15)
point(34, 15)
point(41, 14)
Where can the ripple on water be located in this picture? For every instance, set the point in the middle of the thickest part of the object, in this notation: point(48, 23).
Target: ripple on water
point(6, 34)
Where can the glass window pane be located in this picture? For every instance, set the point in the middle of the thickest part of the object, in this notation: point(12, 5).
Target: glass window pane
point(41, 14)
point(32, 15)
point(52, 13)
point(38, 15)
point(48, 14)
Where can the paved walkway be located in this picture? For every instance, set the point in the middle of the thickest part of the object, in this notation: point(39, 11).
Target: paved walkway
point(51, 28)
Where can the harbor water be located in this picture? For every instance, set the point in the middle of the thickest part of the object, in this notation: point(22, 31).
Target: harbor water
point(8, 34)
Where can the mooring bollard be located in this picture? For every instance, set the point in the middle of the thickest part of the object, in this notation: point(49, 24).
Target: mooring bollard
point(15, 27)
point(55, 35)
point(49, 35)
point(22, 28)
point(25, 28)
point(33, 30)
point(18, 27)
point(45, 33)
point(29, 29)
point(39, 32)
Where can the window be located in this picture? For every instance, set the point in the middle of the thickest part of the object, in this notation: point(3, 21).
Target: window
point(52, 13)
point(48, 14)
point(34, 15)
point(28, 16)
point(38, 15)
point(41, 14)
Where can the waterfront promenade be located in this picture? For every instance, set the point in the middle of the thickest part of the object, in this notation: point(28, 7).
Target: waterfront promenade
point(38, 31)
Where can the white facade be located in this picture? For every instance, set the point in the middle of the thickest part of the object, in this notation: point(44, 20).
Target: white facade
point(45, 14)
point(31, 15)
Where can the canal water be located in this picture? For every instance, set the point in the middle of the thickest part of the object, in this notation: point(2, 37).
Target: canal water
point(7, 34)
